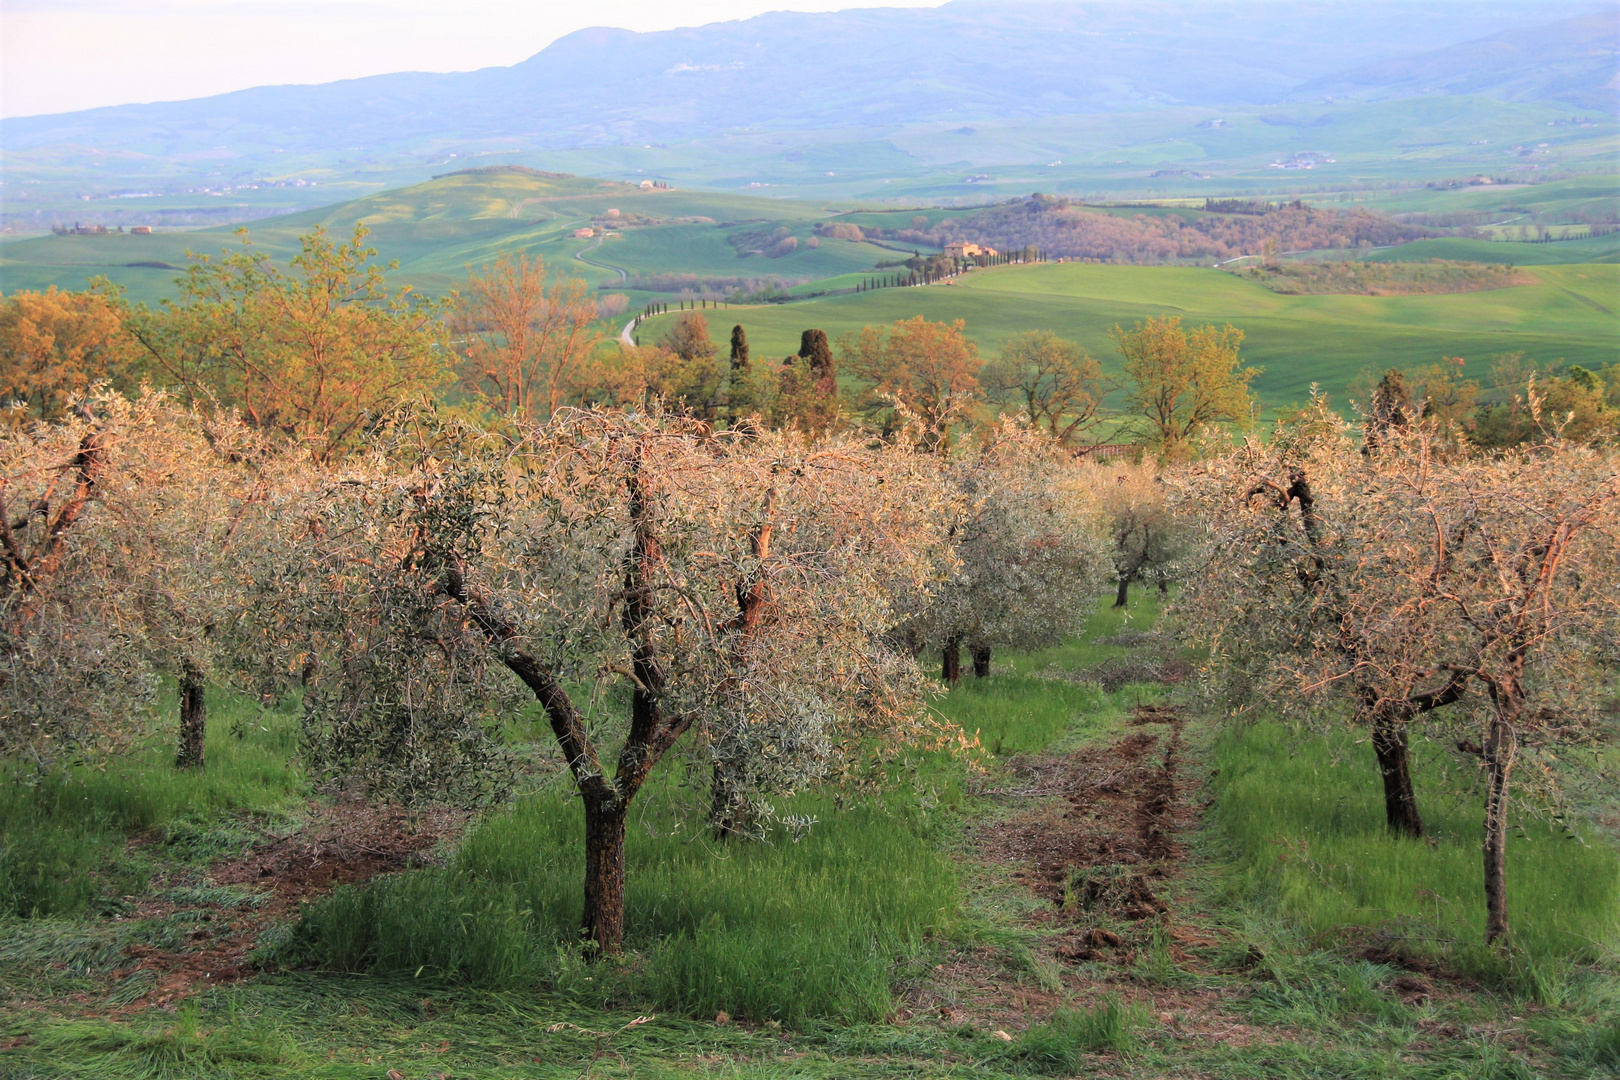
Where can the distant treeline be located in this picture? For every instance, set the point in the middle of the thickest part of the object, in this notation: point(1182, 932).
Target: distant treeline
point(1384, 278)
point(1063, 229)
point(709, 288)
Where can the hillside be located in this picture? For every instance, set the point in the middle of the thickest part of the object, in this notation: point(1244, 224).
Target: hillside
point(438, 228)
point(1567, 315)
point(1110, 95)
point(1572, 60)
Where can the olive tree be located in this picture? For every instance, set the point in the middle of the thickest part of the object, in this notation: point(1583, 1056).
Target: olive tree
point(1145, 538)
point(1030, 549)
point(725, 584)
point(1312, 591)
point(1406, 576)
point(115, 525)
point(1526, 573)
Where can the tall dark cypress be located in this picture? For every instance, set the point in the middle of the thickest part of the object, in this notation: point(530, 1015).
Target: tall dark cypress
point(817, 352)
point(739, 349)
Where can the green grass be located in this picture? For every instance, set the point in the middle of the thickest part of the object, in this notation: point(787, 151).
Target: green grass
point(1305, 814)
point(63, 834)
point(1600, 249)
point(718, 925)
point(1568, 316)
point(1057, 1046)
point(467, 969)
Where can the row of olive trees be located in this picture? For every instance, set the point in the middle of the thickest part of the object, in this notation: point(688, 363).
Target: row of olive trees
point(1403, 578)
point(644, 577)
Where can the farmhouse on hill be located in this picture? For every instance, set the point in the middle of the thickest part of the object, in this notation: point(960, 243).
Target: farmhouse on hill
point(584, 234)
point(967, 250)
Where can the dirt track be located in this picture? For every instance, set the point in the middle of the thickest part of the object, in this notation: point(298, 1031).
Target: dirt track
point(1111, 839)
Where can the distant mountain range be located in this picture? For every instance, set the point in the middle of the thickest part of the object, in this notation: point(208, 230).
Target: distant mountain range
point(1571, 60)
point(968, 59)
point(858, 77)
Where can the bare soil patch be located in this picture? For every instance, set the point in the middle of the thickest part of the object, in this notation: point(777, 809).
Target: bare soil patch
point(343, 844)
point(1099, 844)
point(1109, 836)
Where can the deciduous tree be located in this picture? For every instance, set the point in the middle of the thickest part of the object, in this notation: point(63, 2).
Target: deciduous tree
point(1051, 380)
point(924, 370)
point(56, 344)
point(523, 336)
point(1179, 382)
point(318, 353)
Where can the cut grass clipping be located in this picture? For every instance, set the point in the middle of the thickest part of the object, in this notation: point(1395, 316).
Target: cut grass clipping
point(1307, 816)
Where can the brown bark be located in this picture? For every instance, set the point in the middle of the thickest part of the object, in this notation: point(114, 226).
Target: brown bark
point(1123, 594)
point(981, 661)
point(24, 571)
point(727, 808)
point(951, 668)
point(1400, 798)
point(1500, 748)
point(193, 719)
point(603, 924)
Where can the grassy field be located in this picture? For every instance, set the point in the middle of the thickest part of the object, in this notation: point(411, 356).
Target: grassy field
point(1567, 316)
point(889, 942)
point(1599, 249)
point(437, 229)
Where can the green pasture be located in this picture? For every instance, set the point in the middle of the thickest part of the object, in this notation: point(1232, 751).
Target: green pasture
point(437, 229)
point(1586, 249)
point(1568, 316)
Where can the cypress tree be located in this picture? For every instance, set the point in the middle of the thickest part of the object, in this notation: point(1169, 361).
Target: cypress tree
point(739, 349)
point(817, 352)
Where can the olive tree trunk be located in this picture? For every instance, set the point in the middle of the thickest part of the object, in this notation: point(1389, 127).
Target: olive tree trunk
point(981, 661)
point(1501, 748)
point(951, 668)
point(193, 719)
point(1394, 763)
point(603, 922)
point(1123, 594)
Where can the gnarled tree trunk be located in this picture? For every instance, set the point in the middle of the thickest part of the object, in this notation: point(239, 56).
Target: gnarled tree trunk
point(1123, 594)
point(193, 719)
point(981, 661)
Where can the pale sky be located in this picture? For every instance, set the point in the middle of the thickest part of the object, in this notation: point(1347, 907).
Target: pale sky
point(62, 55)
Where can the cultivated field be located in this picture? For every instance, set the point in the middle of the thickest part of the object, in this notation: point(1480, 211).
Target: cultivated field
point(1078, 879)
point(1568, 316)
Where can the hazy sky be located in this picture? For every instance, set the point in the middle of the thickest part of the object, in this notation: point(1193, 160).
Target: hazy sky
point(61, 55)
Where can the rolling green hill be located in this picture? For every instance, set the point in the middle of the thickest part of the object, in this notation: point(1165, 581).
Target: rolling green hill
point(1598, 249)
point(1571, 314)
point(438, 228)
